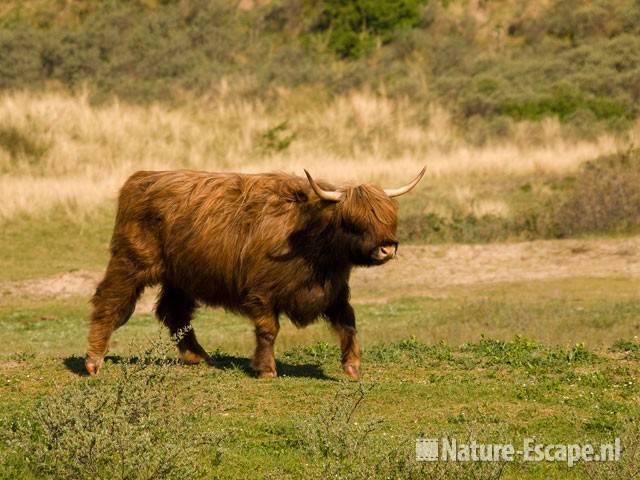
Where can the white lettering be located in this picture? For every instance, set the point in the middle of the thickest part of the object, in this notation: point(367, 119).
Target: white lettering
point(449, 449)
point(571, 453)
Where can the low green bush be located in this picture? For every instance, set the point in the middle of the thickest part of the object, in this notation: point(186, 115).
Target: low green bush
point(123, 425)
point(340, 445)
point(564, 104)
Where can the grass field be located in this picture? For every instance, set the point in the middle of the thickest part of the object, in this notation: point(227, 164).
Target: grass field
point(511, 312)
point(492, 341)
point(496, 343)
point(491, 390)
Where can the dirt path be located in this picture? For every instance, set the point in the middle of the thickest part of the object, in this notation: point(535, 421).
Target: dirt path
point(426, 269)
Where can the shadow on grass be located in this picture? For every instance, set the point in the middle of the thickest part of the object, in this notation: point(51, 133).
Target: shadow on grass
point(307, 370)
point(75, 364)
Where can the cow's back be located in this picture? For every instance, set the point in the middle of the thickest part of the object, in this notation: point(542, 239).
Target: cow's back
point(213, 233)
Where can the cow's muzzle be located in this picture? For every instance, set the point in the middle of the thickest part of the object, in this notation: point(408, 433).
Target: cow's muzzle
point(384, 253)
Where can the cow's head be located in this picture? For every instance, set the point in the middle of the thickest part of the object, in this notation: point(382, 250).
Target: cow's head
point(366, 219)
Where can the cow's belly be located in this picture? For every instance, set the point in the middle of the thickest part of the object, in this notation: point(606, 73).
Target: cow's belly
point(307, 304)
point(210, 288)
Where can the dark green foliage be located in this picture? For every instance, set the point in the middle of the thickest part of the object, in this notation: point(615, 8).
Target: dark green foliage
point(539, 76)
point(539, 81)
point(127, 49)
point(276, 139)
point(355, 26)
point(563, 105)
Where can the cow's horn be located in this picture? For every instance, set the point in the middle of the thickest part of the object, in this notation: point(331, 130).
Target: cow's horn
point(394, 192)
point(324, 194)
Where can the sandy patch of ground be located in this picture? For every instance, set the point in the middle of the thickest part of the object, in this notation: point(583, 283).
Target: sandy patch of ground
point(76, 283)
point(8, 365)
point(424, 269)
point(63, 285)
point(432, 268)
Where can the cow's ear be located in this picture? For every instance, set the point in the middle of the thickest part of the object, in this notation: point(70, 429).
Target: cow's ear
point(300, 196)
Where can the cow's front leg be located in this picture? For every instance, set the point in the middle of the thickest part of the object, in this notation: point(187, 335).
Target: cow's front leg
point(264, 362)
point(343, 320)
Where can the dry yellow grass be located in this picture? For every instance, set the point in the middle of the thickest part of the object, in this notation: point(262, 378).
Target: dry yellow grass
point(357, 137)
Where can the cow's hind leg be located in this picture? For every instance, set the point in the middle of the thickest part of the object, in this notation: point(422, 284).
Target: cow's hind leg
point(113, 304)
point(175, 309)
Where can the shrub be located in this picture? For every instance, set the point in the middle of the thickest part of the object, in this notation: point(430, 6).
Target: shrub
point(603, 197)
point(563, 104)
point(276, 139)
point(354, 27)
point(629, 464)
point(128, 426)
point(137, 52)
point(344, 446)
point(575, 20)
point(144, 51)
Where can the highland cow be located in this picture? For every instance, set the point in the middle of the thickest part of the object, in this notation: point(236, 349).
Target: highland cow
point(260, 245)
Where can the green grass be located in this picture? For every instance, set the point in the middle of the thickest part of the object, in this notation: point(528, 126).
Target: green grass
point(54, 242)
point(596, 312)
point(555, 360)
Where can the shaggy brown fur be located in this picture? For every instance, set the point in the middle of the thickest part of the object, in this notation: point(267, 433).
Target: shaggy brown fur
point(260, 245)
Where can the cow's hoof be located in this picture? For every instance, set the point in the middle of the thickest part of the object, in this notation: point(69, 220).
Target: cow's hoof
point(190, 358)
point(352, 371)
point(267, 374)
point(93, 365)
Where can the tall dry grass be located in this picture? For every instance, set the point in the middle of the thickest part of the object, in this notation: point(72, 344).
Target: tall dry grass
point(84, 152)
